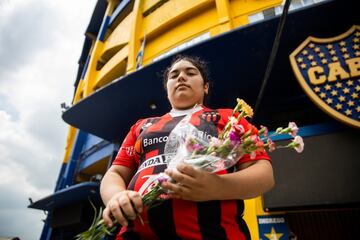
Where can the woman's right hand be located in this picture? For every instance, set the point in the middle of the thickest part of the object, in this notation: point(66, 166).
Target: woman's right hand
point(123, 206)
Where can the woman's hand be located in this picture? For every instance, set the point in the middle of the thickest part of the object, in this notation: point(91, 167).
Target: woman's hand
point(123, 206)
point(192, 184)
point(253, 179)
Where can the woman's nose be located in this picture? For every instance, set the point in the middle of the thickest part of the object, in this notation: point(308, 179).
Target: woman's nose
point(182, 77)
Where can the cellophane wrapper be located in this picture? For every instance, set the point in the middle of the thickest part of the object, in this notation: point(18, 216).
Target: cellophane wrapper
point(187, 144)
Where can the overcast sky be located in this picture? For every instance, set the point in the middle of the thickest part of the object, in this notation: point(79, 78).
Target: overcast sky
point(40, 44)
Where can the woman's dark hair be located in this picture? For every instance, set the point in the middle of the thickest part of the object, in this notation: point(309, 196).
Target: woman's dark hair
point(199, 63)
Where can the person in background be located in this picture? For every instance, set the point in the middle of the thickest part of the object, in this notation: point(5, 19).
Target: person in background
point(201, 205)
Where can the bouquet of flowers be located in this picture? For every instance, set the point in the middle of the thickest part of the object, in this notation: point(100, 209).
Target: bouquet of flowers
point(187, 144)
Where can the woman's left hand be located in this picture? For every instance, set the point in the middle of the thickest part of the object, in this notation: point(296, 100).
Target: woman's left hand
point(192, 184)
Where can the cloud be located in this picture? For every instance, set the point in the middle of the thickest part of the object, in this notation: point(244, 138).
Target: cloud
point(40, 44)
point(22, 31)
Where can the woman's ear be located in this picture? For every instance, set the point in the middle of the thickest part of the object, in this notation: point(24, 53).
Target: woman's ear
point(206, 88)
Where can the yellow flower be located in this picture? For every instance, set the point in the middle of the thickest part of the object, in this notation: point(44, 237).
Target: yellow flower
point(244, 107)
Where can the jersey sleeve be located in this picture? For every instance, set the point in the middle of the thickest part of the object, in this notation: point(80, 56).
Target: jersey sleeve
point(260, 155)
point(126, 155)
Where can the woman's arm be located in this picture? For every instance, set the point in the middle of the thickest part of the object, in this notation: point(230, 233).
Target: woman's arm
point(253, 179)
point(119, 202)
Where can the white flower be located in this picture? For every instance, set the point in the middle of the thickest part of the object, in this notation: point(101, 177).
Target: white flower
point(298, 144)
point(293, 128)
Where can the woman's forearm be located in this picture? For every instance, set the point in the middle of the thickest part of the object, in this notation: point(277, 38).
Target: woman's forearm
point(114, 181)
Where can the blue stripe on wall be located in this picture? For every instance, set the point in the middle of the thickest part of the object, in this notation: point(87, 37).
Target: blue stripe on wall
point(103, 29)
point(313, 130)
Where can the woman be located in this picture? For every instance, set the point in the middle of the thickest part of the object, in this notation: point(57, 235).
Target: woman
point(202, 205)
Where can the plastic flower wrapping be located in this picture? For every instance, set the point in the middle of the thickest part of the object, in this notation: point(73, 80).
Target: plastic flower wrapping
point(186, 144)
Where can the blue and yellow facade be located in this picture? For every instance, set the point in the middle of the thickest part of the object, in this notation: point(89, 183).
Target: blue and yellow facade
point(129, 42)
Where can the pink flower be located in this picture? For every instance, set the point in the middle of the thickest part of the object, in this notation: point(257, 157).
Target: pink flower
point(264, 131)
point(198, 147)
point(254, 138)
point(293, 128)
point(234, 138)
point(298, 144)
point(239, 129)
point(271, 145)
point(190, 147)
point(162, 178)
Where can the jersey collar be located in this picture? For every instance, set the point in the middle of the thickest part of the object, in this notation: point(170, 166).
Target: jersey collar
point(177, 113)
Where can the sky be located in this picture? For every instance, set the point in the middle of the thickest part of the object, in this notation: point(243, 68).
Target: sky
point(40, 45)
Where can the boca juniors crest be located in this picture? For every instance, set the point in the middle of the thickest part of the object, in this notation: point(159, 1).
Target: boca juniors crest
point(329, 72)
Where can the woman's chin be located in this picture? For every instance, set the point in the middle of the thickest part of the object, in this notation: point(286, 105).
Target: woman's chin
point(184, 104)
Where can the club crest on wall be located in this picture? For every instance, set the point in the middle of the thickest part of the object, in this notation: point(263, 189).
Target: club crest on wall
point(328, 70)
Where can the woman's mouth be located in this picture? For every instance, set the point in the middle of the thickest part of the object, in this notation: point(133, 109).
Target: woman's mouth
point(181, 86)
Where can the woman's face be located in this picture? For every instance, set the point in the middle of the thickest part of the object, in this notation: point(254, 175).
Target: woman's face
point(185, 85)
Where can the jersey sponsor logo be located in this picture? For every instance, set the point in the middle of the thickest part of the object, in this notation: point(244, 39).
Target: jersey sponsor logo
point(163, 139)
point(154, 161)
point(196, 134)
point(151, 141)
point(328, 70)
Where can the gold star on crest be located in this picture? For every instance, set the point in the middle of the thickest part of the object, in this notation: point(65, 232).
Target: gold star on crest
point(338, 85)
point(329, 46)
point(350, 82)
point(305, 52)
point(310, 57)
point(311, 45)
point(321, 55)
point(322, 95)
point(338, 106)
point(341, 99)
point(357, 88)
point(357, 53)
point(357, 34)
point(329, 100)
point(343, 49)
point(273, 235)
point(358, 109)
point(350, 103)
point(346, 90)
point(313, 63)
point(332, 52)
point(335, 59)
point(356, 47)
point(356, 40)
point(327, 87)
point(324, 61)
point(317, 89)
point(300, 60)
point(346, 56)
point(334, 92)
point(348, 112)
point(355, 95)
point(317, 49)
point(303, 66)
point(342, 43)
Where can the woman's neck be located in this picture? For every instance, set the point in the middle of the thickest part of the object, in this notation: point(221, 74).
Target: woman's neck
point(180, 112)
